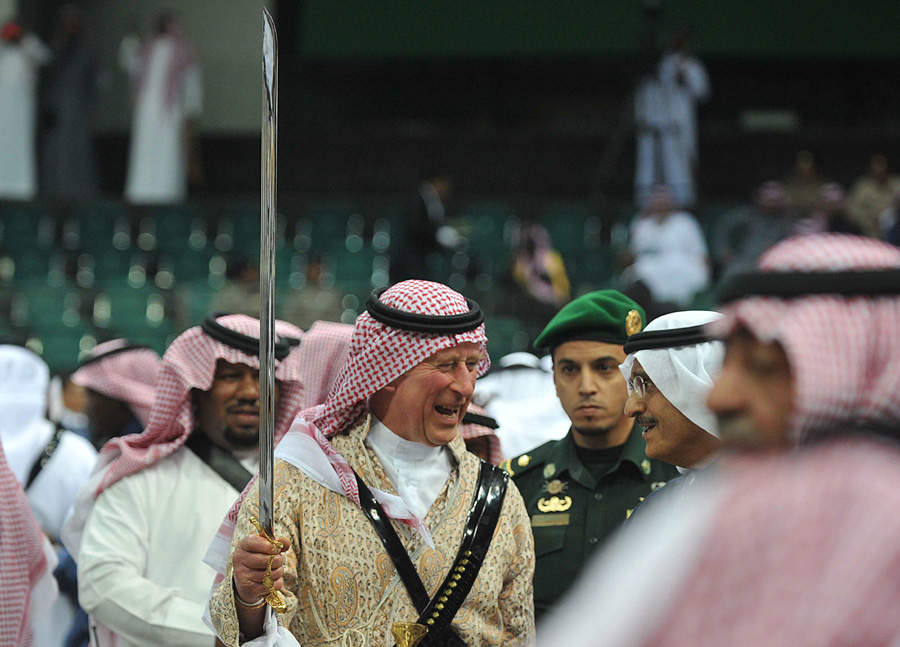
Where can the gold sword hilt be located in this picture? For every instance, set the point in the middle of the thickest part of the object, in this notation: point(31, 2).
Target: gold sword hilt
point(273, 598)
point(408, 634)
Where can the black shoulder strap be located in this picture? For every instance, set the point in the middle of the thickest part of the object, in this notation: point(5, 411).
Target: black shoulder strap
point(479, 531)
point(393, 546)
point(44, 456)
point(219, 461)
point(484, 513)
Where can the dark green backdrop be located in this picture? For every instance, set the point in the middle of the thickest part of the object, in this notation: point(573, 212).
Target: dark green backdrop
point(578, 28)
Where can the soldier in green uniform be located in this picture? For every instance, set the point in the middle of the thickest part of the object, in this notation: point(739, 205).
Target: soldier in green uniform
point(579, 489)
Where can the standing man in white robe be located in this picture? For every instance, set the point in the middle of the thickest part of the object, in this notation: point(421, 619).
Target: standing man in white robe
point(21, 54)
point(144, 519)
point(167, 88)
point(666, 122)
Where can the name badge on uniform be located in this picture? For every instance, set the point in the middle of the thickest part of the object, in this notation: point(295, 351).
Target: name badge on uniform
point(548, 520)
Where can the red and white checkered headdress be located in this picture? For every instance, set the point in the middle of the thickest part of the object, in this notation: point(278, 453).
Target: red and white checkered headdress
point(380, 353)
point(23, 562)
point(478, 424)
point(122, 372)
point(188, 364)
point(842, 349)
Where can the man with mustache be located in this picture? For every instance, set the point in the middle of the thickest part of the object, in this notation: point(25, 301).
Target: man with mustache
point(579, 489)
point(144, 519)
point(669, 370)
point(794, 543)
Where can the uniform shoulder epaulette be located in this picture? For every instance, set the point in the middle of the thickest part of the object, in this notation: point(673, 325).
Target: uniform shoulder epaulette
point(523, 462)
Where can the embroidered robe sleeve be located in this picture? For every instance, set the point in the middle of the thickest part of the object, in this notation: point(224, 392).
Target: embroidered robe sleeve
point(286, 524)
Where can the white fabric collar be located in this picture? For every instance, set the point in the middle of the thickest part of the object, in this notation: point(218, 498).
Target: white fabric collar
point(418, 472)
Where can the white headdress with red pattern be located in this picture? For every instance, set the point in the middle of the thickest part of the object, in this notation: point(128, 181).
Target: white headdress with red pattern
point(842, 349)
point(26, 564)
point(124, 372)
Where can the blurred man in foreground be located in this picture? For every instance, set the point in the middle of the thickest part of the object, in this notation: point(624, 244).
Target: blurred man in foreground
point(796, 543)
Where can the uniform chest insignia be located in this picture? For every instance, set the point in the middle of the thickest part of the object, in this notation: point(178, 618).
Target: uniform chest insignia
point(549, 470)
point(506, 467)
point(554, 487)
point(656, 485)
point(523, 460)
point(554, 504)
point(645, 465)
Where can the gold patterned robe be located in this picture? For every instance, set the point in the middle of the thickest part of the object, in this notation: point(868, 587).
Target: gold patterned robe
point(342, 589)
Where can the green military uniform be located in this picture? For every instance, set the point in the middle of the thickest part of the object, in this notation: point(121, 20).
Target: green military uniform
point(572, 512)
point(575, 496)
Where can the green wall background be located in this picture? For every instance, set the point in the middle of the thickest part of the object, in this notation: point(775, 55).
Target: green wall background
point(341, 29)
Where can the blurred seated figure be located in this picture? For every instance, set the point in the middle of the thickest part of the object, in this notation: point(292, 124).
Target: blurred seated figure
point(804, 183)
point(744, 234)
point(538, 268)
point(519, 394)
point(317, 300)
point(479, 431)
point(831, 215)
point(889, 218)
point(871, 194)
point(668, 252)
point(240, 293)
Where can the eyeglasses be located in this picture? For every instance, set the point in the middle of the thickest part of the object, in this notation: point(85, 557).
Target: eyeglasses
point(640, 385)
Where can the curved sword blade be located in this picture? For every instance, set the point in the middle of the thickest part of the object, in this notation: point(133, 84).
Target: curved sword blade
point(268, 215)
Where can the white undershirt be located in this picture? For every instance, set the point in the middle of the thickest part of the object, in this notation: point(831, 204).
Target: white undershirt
point(417, 471)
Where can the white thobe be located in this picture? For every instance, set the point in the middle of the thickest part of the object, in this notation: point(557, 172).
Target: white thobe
point(141, 574)
point(53, 491)
point(670, 257)
point(665, 114)
point(157, 163)
point(18, 108)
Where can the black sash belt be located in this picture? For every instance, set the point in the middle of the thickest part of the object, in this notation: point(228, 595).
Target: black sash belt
point(219, 460)
point(437, 613)
point(45, 456)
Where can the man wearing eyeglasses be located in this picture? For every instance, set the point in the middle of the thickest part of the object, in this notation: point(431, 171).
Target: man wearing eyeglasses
point(669, 371)
point(581, 488)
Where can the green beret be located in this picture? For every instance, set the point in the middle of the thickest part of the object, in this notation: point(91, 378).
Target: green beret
point(605, 315)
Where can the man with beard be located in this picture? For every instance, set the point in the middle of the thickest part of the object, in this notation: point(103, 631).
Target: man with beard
point(579, 489)
point(144, 519)
point(795, 543)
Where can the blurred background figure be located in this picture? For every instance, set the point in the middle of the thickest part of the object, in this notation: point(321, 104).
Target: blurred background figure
point(167, 90)
point(240, 292)
point(317, 299)
point(67, 111)
point(119, 378)
point(21, 54)
point(871, 194)
point(539, 269)
point(803, 184)
point(519, 394)
point(49, 462)
point(479, 431)
point(743, 235)
point(665, 114)
point(424, 230)
point(831, 215)
point(668, 253)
